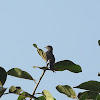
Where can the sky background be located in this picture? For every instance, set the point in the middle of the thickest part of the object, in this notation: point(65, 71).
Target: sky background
point(72, 27)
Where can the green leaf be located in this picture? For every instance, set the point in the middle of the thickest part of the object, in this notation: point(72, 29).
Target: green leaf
point(2, 90)
point(67, 90)
point(47, 95)
point(35, 45)
point(43, 98)
point(22, 97)
point(99, 42)
point(19, 73)
point(83, 96)
point(98, 97)
point(3, 76)
point(15, 90)
point(99, 74)
point(25, 94)
point(41, 52)
point(67, 65)
point(90, 85)
point(90, 95)
point(18, 90)
point(12, 89)
point(40, 98)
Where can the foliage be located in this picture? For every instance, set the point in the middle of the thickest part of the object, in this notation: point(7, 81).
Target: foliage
point(40, 52)
point(67, 65)
point(19, 73)
point(3, 76)
point(93, 87)
point(47, 95)
point(90, 85)
point(2, 90)
point(99, 42)
point(67, 90)
point(88, 95)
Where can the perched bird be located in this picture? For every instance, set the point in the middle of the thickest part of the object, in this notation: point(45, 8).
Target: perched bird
point(50, 57)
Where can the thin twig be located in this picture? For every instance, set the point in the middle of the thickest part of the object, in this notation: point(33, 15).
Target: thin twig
point(39, 81)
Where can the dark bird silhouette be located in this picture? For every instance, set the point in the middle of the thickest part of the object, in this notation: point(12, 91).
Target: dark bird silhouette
point(50, 57)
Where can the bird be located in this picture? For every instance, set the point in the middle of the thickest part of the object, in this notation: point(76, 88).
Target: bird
point(50, 57)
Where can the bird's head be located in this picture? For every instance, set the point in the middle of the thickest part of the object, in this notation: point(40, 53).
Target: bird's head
point(50, 48)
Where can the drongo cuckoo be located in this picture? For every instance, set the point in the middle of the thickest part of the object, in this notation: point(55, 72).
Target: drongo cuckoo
point(50, 57)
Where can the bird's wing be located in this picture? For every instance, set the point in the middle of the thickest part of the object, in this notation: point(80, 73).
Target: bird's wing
point(50, 56)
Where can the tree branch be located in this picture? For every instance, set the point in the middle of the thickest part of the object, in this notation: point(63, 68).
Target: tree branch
point(31, 96)
point(39, 82)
